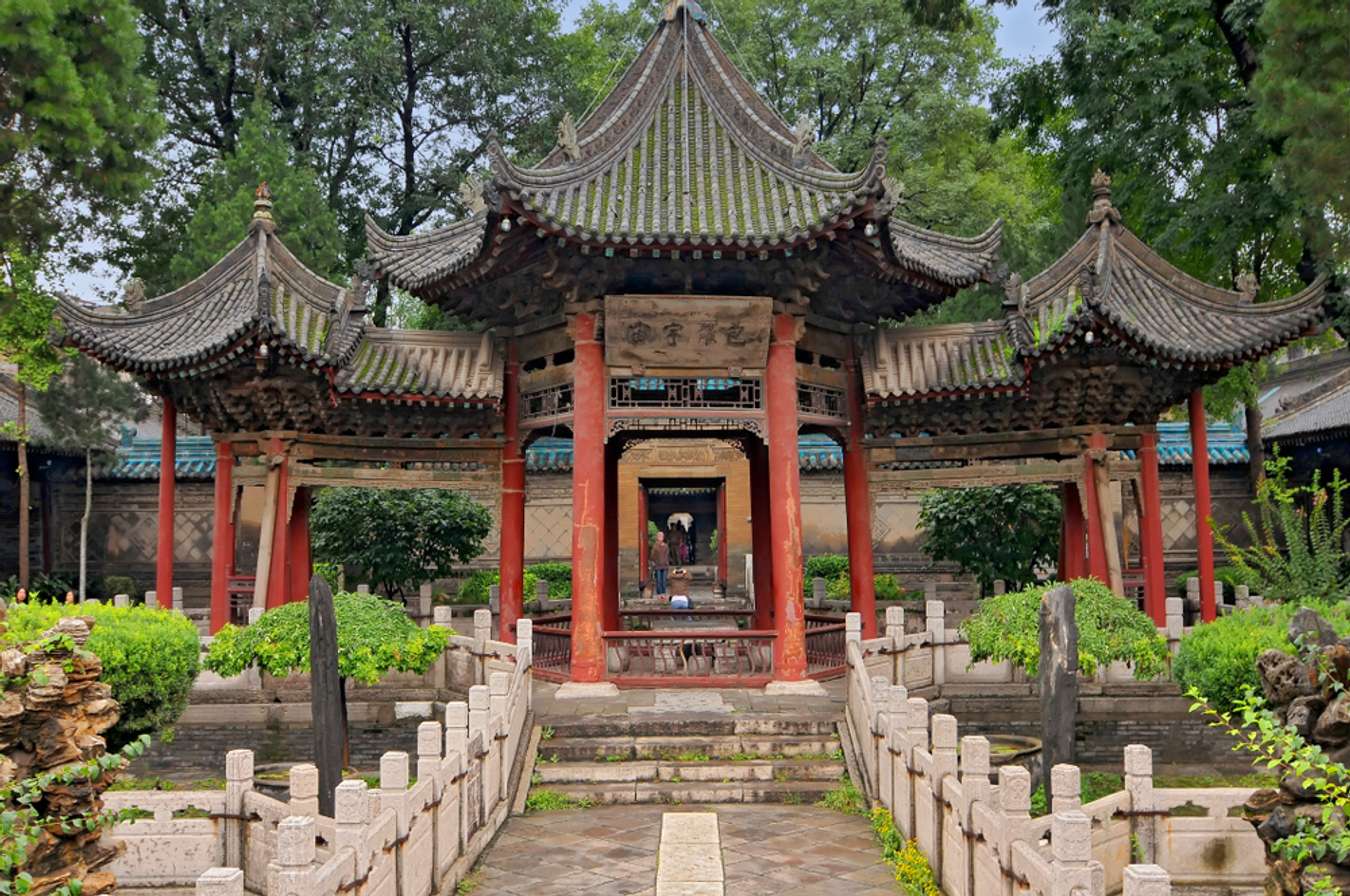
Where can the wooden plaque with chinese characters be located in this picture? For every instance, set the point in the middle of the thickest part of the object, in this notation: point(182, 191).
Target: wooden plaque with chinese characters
point(709, 332)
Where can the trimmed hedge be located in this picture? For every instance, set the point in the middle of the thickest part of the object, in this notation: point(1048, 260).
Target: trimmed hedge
point(149, 658)
point(1218, 658)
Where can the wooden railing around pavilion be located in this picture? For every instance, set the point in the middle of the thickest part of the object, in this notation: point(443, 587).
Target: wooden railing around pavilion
point(825, 646)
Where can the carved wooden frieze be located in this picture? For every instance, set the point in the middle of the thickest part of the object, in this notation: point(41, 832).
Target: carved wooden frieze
point(703, 332)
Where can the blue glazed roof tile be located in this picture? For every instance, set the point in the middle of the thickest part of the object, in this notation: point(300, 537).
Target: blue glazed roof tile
point(138, 458)
point(1227, 444)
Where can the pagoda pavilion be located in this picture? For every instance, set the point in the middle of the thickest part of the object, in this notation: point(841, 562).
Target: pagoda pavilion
point(684, 263)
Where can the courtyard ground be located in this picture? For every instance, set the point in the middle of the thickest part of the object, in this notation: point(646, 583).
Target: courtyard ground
point(611, 851)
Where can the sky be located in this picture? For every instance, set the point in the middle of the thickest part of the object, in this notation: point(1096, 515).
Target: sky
point(1021, 34)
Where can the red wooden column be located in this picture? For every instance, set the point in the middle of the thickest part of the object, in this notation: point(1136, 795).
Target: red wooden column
point(1072, 559)
point(1204, 536)
point(722, 563)
point(222, 537)
point(610, 559)
point(644, 546)
point(1150, 534)
point(298, 553)
point(785, 504)
point(168, 451)
point(858, 505)
point(511, 553)
point(761, 536)
point(278, 574)
point(588, 498)
point(1097, 563)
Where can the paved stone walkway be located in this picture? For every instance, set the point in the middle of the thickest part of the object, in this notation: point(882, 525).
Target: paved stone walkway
point(767, 850)
point(639, 702)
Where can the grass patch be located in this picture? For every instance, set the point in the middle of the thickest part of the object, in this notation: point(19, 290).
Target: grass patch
point(846, 798)
point(553, 801)
point(546, 733)
point(909, 863)
point(469, 883)
point(131, 782)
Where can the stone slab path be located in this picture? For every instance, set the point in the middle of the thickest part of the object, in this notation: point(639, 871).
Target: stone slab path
point(767, 850)
point(684, 702)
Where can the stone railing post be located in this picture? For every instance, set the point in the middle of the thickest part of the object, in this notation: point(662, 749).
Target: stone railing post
point(177, 598)
point(895, 625)
point(494, 599)
point(424, 602)
point(915, 738)
point(1147, 880)
point(124, 600)
point(254, 614)
point(525, 657)
point(1066, 793)
point(1242, 597)
point(1139, 786)
point(935, 617)
point(1176, 619)
point(935, 623)
point(440, 670)
point(238, 782)
point(944, 765)
point(351, 816)
point(221, 882)
point(430, 767)
point(394, 795)
point(897, 712)
point(480, 700)
point(304, 789)
point(292, 872)
point(852, 627)
point(1193, 593)
point(817, 592)
point(1000, 587)
point(1014, 803)
point(975, 788)
point(151, 599)
point(541, 592)
point(363, 589)
point(482, 633)
point(499, 684)
point(1071, 856)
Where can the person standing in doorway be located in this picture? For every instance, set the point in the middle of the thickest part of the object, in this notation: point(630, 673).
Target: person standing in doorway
point(660, 562)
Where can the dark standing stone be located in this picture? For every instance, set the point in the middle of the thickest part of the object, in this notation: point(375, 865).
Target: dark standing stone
point(1058, 677)
point(1308, 629)
point(325, 693)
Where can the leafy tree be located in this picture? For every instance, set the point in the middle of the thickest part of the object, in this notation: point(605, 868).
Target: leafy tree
point(397, 539)
point(149, 658)
point(225, 205)
point(78, 116)
point(999, 532)
point(83, 409)
point(375, 636)
point(1110, 629)
point(1296, 553)
point(25, 323)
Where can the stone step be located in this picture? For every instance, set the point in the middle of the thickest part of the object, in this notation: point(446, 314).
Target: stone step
point(676, 792)
point(672, 748)
point(780, 770)
point(725, 724)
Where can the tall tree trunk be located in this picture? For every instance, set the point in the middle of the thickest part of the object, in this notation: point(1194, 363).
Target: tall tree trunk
point(1256, 468)
point(23, 486)
point(84, 520)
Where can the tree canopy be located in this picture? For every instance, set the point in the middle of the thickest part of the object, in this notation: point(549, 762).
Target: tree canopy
point(998, 532)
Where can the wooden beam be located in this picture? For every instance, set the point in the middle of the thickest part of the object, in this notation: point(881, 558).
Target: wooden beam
point(1065, 442)
point(302, 474)
point(987, 474)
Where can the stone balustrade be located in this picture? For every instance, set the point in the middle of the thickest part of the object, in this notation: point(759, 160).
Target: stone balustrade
point(977, 831)
point(401, 837)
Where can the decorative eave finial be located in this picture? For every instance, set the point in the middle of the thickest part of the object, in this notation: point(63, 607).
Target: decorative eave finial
point(471, 195)
point(133, 295)
point(803, 137)
point(1014, 293)
point(1101, 199)
point(567, 138)
point(691, 7)
point(1247, 286)
point(262, 207)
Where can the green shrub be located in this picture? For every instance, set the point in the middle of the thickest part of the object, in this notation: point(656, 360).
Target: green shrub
point(374, 636)
point(826, 566)
point(885, 586)
point(1003, 532)
point(1218, 659)
point(149, 659)
point(558, 576)
point(111, 586)
point(474, 589)
point(1110, 629)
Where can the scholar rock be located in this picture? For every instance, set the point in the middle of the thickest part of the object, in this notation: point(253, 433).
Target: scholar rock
point(1333, 725)
point(1303, 712)
point(1283, 677)
point(1278, 825)
point(1308, 630)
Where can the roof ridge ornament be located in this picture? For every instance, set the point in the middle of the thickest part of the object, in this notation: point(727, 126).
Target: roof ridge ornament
point(803, 137)
point(262, 207)
point(471, 194)
point(1247, 287)
point(691, 7)
point(567, 138)
point(133, 295)
point(1102, 209)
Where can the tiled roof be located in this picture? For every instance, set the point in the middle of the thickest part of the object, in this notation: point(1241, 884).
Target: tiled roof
point(1111, 281)
point(684, 155)
point(942, 359)
point(194, 458)
point(1314, 414)
point(260, 297)
point(1226, 444)
point(435, 364)
point(38, 434)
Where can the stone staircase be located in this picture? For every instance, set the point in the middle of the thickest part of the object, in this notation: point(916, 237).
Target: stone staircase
point(730, 759)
